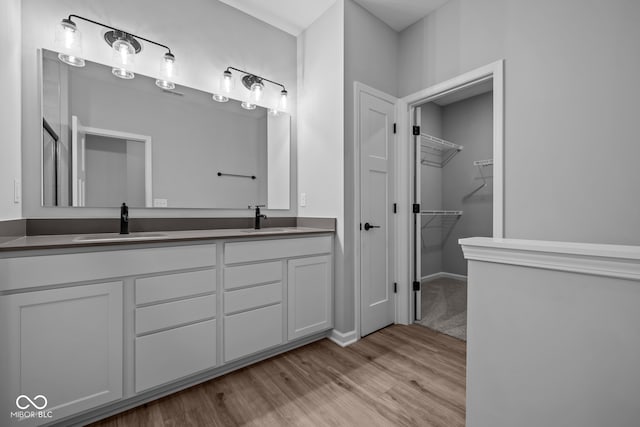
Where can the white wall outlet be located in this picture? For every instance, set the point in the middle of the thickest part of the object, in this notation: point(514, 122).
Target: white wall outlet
point(303, 199)
point(160, 203)
point(17, 191)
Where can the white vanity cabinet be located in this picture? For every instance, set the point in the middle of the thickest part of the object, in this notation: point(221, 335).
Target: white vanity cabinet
point(253, 308)
point(64, 344)
point(64, 328)
point(310, 295)
point(112, 327)
point(175, 326)
point(281, 290)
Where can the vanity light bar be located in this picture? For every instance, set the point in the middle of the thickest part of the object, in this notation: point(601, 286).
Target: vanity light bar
point(125, 46)
point(253, 83)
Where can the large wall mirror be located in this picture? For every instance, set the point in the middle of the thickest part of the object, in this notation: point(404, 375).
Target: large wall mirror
point(107, 140)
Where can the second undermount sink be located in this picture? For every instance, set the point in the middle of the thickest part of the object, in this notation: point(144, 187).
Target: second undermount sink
point(118, 237)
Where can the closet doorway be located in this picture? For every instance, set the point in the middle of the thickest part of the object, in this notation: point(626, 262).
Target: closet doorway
point(457, 184)
point(454, 174)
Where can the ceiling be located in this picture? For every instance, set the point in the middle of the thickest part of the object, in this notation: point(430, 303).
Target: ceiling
point(399, 14)
point(293, 16)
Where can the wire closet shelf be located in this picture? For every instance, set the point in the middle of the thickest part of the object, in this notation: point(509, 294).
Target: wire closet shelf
point(441, 213)
point(446, 216)
point(436, 151)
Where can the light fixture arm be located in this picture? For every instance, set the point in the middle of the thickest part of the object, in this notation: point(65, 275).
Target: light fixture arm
point(117, 29)
point(260, 77)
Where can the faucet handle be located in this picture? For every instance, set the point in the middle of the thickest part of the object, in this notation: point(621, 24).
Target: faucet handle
point(257, 206)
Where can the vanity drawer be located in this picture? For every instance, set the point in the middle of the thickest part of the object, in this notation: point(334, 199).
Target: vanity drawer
point(173, 354)
point(248, 298)
point(252, 331)
point(170, 314)
point(177, 285)
point(258, 250)
point(246, 275)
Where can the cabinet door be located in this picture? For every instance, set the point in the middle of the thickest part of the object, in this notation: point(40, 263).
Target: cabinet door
point(252, 331)
point(175, 353)
point(310, 291)
point(65, 345)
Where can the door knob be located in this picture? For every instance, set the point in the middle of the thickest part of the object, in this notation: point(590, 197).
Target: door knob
point(368, 226)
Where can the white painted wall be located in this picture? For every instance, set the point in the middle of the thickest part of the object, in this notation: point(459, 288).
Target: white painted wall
point(10, 76)
point(321, 132)
point(278, 160)
point(370, 48)
point(571, 91)
point(206, 36)
point(552, 348)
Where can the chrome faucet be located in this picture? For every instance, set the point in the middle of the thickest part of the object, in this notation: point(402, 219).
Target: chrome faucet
point(124, 219)
point(259, 217)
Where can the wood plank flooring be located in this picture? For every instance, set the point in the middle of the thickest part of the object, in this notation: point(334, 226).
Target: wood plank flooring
point(398, 376)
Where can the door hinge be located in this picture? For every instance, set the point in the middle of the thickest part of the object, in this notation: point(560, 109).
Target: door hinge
point(416, 130)
point(395, 288)
point(416, 208)
point(395, 208)
point(394, 128)
point(360, 226)
point(416, 286)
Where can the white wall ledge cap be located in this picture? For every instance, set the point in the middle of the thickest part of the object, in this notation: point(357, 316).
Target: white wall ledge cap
point(620, 261)
point(573, 248)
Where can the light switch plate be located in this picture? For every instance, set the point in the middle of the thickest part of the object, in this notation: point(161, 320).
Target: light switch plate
point(303, 199)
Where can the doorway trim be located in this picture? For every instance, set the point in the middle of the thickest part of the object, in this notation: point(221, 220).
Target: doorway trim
point(405, 185)
point(359, 88)
point(148, 150)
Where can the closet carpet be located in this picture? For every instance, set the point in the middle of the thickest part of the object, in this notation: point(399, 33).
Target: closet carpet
point(444, 306)
point(398, 376)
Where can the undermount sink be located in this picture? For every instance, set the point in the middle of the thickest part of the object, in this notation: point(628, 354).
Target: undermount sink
point(118, 237)
point(266, 230)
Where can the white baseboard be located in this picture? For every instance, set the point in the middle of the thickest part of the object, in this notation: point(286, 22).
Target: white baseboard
point(343, 339)
point(445, 275)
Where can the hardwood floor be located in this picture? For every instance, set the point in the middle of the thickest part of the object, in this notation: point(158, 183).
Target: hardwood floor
point(398, 376)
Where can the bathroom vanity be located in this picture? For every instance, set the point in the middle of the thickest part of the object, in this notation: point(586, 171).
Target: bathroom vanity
point(98, 324)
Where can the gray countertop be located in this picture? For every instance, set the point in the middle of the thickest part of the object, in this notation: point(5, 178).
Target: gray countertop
point(109, 239)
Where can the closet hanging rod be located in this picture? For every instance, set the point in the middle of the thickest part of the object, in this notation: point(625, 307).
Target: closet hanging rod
point(236, 175)
point(441, 213)
point(488, 162)
point(441, 144)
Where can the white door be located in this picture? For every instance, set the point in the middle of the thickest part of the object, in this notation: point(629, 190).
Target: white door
point(376, 118)
point(78, 158)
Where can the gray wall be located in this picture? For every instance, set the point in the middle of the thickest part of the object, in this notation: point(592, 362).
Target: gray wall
point(106, 171)
point(468, 123)
point(114, 172)
point(206, 37)
point(571, 102)
point(549, 348)
point(10, 76)
point(370, 57)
